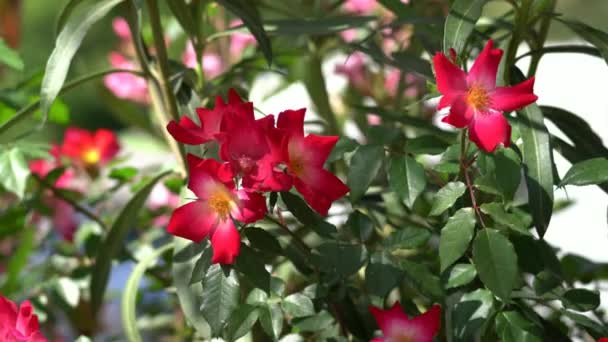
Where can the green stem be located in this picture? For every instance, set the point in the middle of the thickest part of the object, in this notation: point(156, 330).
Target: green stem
point(521, 21)
point(542, 37)
point(294, 236)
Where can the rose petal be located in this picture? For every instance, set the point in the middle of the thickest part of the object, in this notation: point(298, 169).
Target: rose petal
point(226, 243)
point(193, 221)
point(515, 97)
point(450, 78)
point(484, 69)
point(488, 130)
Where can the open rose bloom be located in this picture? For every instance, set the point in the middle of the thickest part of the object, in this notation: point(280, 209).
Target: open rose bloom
point(256, 156)
point(396, 326)
point(19, 324)
point(476, 102)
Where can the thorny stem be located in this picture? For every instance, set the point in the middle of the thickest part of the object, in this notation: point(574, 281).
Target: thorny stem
point(57, 193)
point(464, 166)
point(295, 237)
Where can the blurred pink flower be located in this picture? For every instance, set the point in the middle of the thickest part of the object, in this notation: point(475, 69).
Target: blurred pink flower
point(373, 119)
point(239, 41)
point(161, 197)
point(413, 83)
point(125, 85)
point(121, 28)
point(349, 35)
point(360, 6)
point(354, 69)
point(212, 62)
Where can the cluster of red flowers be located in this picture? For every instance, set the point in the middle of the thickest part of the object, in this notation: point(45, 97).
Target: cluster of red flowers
point(83, 151)
point(19, 324)
point(257, 157)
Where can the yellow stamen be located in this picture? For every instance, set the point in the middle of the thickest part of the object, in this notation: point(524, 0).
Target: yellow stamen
point(296, 166)
point(221, 202)
point(478, 98)
point(91, 156)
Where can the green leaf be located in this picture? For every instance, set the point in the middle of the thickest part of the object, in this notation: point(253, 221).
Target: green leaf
point(422, 277)
point(271, 320)
point(250, 264)
point(507, 171)
point(426, 144)
point(577, 130)
point(220, 297)
point(18, 261)
point(456, 237)
point(66, 45)
point(538, 162)
point(406, 178)
point(471, 312)
point(315, 26)
point(596, 37)
point(460, 23)
point(594, 328)
point(183, 12)
point(446, 197)
point(298, 305)
point(185, 255)
point(408, 62)
point(241, 321)
point(318, 322)
point(496, 262)
point(381, 276)
point(339, 258)
point(581, 299)
point(10, 57)
point(497, 212)
point(343, 146)
point(460, 275)
point(364, 167)
point(247, 11)
point(513, 327)
point(202, 264)
point(361, 225)
point(298, 207)
point(123, 174)
point(14, 171)
point(115, 239)
point(592, 171)
point(129, 295)
point(545, 281)
point(263, 240)
point(407, 238)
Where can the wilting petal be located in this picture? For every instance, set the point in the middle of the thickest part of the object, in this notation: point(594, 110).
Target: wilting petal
point(320, 188)
point(251, 208)
point(484, 69)
point(107, 144)
point(292, 121)
point(193, 221)
point(460, 115)
point(515, 97)
point(187, 132)
point(488, 130)
point(450, 78)
point(427, 324)
point(320, 147)
point(226, 243)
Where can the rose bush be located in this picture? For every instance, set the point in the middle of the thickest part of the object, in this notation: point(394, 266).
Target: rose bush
point(410, 205)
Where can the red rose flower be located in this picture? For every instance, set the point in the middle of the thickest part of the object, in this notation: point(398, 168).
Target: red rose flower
point(217, 204)
point(396, 326)
point(19, 324)
point(476, 102)
point(90, 148)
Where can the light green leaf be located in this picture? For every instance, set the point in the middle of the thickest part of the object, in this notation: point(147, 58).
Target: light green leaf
point(271, 320)
point(220, 297)
point(129, 295)
point(10, 57)
point(14, 171)
point(115, 239)
point(497, 212)
point(513, 327)
point(456, 237)
point(364, 167)
point(446, 197)
point(68, 290)
point(496, 262)
point(460, 275)
point(471, 312)
point(406, 178)
point(591, 171)
point(407, 238)
point(318, 322)
point(298, 305)
point(460, 23)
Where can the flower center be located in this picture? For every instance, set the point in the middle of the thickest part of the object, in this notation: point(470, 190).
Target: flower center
point(402, 336)
point(221, 202)
point(91, 156)
point(478, 98)
point(296, 166)
point(246, 164)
